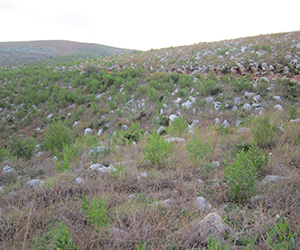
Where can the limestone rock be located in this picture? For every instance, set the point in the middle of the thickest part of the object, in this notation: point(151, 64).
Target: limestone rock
point(202, 204)
point(8, 169)
point(79, 180)
point(247, 107)
point(87, 131)
point(172, 117)
point(249, 95)
point(225, 124)
point(175, 139)
point(35, 183)
point(273, 178)
point(278, 107)
point(213, 225)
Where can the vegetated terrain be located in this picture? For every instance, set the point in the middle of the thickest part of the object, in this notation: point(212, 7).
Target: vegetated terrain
point(55, 50)
point(195, 147)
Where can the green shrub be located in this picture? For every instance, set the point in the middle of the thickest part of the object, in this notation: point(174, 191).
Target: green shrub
point(178, 127)
point(240, 177)
point(57, 135)
point(63, 239)
point(157, 150)
point(134, 132)
point(198, 150)
point(23, 147)
point(152, 94)
point(96, 213)
point(263, 131)
point(256, 156)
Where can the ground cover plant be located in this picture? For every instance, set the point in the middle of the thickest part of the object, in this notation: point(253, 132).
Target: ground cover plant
point(195, 147)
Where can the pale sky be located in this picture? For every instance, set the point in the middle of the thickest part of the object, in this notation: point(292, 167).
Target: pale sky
point(138, 24)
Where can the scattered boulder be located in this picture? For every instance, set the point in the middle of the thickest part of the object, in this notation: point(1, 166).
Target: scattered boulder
point(247, 107)
point(225, 124)
point(195, 123)
point(161, 129)
point(202, 204)
point(278, 107)
point(99, 132)
point(273, 178)
point(34, 183)
point(175, 139)
point(264, 66)
point(167, 203)
point(87, 131)
point(79, 180)
point(277, 98)
point(249, 95)
point(216, 164)
point(211, 225)
point(8, 169)
point(172, 117)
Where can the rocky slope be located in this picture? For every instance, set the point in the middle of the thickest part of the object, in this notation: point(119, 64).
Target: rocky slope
point(164, 148)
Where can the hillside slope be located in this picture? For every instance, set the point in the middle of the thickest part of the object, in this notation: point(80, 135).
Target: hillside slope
point(165, 148)
point(23, 52)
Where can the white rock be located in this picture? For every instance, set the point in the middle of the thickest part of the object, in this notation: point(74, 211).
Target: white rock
point(195, 123)
point(238, 123)
point(75, 123)
point(264, 66)
point(209, 99)
point(167, 203)
point(95, 166)
point(187, 104)
point(99, 132)
point(1, 188)
point(34, 183)
point(225, 124)
point(7, 169)
point(249, 95)
point(216, 164)
point(125, 127)
point(172, 117)
point(87, 131)
point(295, 120)
point(256, 98)
point(202, 204)
point(276, 97)
point(161, 129)
point(278, 107)
point(175, 139)
point(247, 107)
point(49, 116)
point(217, 121)
point(79, 180)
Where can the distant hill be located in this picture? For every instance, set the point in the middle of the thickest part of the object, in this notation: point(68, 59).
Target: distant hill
point(23, 52)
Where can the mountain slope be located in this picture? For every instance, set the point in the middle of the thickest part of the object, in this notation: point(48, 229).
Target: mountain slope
point(165, 148)
point(23, 52)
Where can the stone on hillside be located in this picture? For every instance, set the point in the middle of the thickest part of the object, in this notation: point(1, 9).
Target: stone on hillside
point(286, 70)
point(211, 225)
point(143, 175)
point(225, 124)
point(294, 62)
point(209, 99)
point(273, 178)
point(95, 166)
point(87, 131)
point(202, 204)
point(249, 95)
point(217, 121)
point(278, 107)
point(7, 169)
point(75, 123)
point(264, 66)
point(247, 107)
point(175, 139)
point(277, 98)
point(98, 149)
point(237, 101)
point(1, 188)
point(234, 108)
point(35, 183)
point(101, 170)
point(195, 123)
point(217, 106)
point(256, 98)
point(79, 180)
point(125, 127)
point(161, 129)
point(238, 123)
point(99, 132)
point(172, 117)
point(298, 46)
point(295, 120)
point(194, 110)
point(49, 116)
point(187, 104)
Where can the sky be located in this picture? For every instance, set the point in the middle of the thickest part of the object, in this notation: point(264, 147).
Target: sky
point(143, 25)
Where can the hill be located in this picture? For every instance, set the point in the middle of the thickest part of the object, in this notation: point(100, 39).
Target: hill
point(176, 148)
point(24, 52)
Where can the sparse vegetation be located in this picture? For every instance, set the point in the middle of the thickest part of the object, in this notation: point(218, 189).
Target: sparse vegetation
point(116, 181)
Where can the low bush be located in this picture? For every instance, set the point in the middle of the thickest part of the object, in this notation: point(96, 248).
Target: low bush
point(263, 131)
point(197, 150)
point(23, 147)
point(57, 135)
point(240, 177)
point(157, 150)
point(178, 127)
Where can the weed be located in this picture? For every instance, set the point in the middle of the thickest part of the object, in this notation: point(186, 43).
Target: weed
point(141, 245)
point(240, 177)
point(157, 150)
point(63, 239)
point(23, 148)
point(263, 131)
point(95, 212)
point(178, 127)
